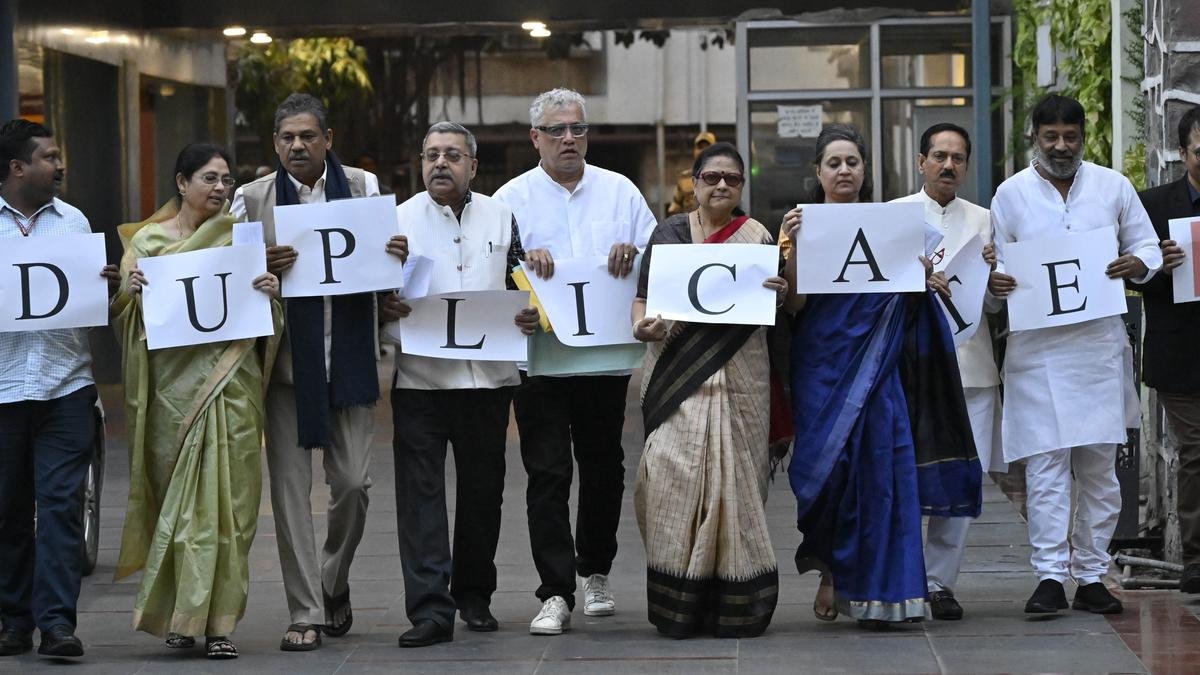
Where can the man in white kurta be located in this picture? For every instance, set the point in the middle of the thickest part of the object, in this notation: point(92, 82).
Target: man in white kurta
point(570, 209)
point(945, 153)
point(1069, 389)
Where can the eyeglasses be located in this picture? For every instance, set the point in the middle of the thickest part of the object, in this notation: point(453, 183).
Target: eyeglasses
point(453, 156)
point(213, 179)
point(578, 130)
point(307, 138)
point(713, 177)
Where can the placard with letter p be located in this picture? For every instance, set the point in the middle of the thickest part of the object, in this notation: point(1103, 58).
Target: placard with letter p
point(1061, 281)
point(860, 248)
point(712, 283)
point(52, 282)
point(340, 246)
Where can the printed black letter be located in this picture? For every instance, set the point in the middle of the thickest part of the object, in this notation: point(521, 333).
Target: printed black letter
point(1055, 300)
point(580, 314)
point(348, 238)
point(191, 302)
point(451, 311)
point(694, 282)
point(860, 241)
point(63, 290)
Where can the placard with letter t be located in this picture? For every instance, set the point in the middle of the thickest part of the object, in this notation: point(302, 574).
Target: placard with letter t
point(340, 246)
point(52, 282)
point(1062, 280)
point(860, 248)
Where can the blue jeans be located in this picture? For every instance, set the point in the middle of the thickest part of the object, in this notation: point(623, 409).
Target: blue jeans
point(45, 449)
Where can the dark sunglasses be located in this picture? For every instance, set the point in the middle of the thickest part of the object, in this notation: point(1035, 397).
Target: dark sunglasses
point(713, 177)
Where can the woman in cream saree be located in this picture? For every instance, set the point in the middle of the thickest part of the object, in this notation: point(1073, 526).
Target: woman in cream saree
point(195, 418)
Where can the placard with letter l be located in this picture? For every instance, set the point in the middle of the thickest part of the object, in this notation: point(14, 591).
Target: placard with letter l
point(1186, 233)
point(468, 325)
point(205, 296)
point(1061, 281)
point(52, 282)
point(712, 283)
point(587, 305)
point(860, 248)
point(340, 246)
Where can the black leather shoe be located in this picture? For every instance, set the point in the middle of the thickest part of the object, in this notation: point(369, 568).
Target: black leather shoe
point(944, 607)
point(1190, 581)
point(13, 641)
point(479, 619)
point(425, 633)
point(1048, 598)
point(60, 641)
point(1095, 598)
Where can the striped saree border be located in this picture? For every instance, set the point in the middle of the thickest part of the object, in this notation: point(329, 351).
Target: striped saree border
point(684, 607)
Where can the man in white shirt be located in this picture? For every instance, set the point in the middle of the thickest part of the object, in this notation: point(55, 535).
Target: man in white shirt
point(569, 209)
point(323, 387)
point(473, 243)
point(943, 159)
point(1068, 390)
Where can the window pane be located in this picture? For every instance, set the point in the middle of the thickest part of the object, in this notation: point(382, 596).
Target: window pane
point(781, 168)
point(810, 58)
point(931, 55)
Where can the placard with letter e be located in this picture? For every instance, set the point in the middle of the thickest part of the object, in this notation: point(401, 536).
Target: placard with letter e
point(1184, 280)
point(713, 283)
point(340, 246)
point(860, 248)
point(1061, 281)
point(468, 325)
point(967, 274)
point(52, 282)
point(587, 306)
point(205, 296)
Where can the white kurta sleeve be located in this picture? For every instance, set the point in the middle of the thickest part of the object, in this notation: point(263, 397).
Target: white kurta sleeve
point(238, 206)
point(644, 221)
point(371, 184)
point(1136, 234)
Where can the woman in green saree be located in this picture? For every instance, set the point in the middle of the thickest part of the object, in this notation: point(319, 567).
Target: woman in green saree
point(195, 425)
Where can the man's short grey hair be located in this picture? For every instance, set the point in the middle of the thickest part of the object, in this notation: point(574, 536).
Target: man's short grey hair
point(555, 98)
point(451, 128)
point(298, 104)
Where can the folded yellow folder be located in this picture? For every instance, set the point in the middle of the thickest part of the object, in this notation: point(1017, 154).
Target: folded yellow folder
point(522, 281)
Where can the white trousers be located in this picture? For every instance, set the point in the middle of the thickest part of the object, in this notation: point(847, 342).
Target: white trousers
point(945, 543)
point(1062, 549)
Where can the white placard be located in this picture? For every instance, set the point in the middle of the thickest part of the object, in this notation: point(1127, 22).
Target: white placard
point(1186, 233)
point(471, 325)
point(587, 306)
point(1061, 281)
point(248, 233)
point(418, 272)
point(205, 296)
point(52, 282)
point(798, 121)
point(967, 273)
point(707, 283)
point(340, 245)
point(861, 248)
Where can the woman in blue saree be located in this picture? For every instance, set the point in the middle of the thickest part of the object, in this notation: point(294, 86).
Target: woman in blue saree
point(882, 432)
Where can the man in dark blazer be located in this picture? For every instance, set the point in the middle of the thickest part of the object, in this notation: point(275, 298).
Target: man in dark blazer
point(1169, 362)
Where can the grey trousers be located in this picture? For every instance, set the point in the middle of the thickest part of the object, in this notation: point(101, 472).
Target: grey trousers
point(307, 577)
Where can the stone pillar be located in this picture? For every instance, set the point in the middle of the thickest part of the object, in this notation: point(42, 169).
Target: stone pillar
point(1172, 84)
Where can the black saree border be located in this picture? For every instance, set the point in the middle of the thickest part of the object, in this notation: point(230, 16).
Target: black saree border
point(682, 607)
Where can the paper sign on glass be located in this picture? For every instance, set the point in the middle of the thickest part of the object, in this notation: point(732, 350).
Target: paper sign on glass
point(713, 283)
point(340, 246)
point(205, 296)
point(470, 325)
point(967, 273)
point(587, 306)
point(52, 282)
point(1061, 281)
point(1186, 233)
point(861, 248)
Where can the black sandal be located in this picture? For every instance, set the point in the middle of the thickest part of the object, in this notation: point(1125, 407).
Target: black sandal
point(333, 606)
point(219, 647)
point(287, 645)
point(177, 641)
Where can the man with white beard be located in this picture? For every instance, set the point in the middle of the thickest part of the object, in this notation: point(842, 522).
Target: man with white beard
point(1069, 389)
point(945, 152)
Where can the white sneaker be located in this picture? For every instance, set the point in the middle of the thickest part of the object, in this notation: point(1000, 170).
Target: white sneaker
point(554, 618)
point(597, 600)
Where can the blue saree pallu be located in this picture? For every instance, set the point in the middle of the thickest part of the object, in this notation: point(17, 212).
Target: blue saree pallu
point(868, 370)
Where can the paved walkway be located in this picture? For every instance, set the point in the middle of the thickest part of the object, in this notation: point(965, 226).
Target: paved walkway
point(1158, 632)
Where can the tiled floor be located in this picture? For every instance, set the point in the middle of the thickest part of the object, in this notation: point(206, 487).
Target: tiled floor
point(1159, 631)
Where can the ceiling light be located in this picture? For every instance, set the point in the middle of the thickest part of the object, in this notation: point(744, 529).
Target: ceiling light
point(234, 31)
point(260, 38)
point(532, 25)
point(97, 38)
point(539, 32)
point(68, 31)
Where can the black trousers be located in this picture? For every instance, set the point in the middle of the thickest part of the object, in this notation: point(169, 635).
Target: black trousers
point(475, 423)
point(1183, 414)
point(45, 450)
point(554, 414)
